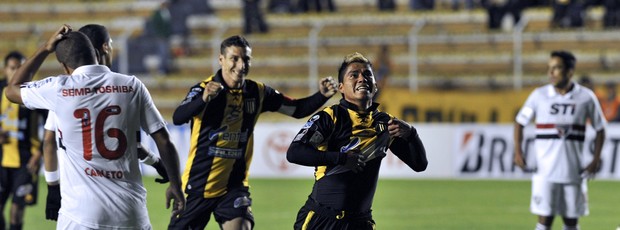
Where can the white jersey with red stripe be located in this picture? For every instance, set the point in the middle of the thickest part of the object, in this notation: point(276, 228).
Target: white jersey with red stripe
point(98, 114)
point(560, 129)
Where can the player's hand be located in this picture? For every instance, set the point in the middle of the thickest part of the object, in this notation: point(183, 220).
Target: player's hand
point(355, 161)
point(399, 128)
point(212, 89)
point(175, 195)
point(52, 204)
point(519, 161)
point(328, 87)
point(590, 171)
point(33, 165)
point(161, 170)
point(50, 46)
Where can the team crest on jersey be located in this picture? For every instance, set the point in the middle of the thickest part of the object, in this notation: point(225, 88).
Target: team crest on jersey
point(249, 105)
point(310, 122)
point(563, 130)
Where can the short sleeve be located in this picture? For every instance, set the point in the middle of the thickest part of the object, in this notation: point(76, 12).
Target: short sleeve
point(50, 122)
point(528, 111)
point(151, 119)
point(596, 115)
point(40, 94)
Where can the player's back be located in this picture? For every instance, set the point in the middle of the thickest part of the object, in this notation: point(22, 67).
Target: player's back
point(99, 113)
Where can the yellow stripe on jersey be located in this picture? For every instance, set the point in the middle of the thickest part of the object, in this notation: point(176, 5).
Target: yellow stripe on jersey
point(320, 170)
point(10, 125)
point(193, 142)
point(218, 177)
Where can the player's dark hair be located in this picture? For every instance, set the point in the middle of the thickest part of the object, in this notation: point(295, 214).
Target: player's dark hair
point(97, 34)
point(351, 58)
point(235, 40)
point(568, 59)
point(75, 50)
point(13, 54)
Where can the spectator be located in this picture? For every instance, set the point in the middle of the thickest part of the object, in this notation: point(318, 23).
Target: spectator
point(610, 102)
point(421, 4)
point(568, 13)
point(611, 18)
point(162, 28)
point(253, 17)
point(280, 6)
point(383, 68)
point(386, 5)
point(497, 9)
point(318, 5)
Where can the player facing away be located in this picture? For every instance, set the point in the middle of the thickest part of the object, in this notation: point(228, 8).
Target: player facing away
point(223, 110)
point(561, 110)
point(97, 123)
point(102, 42)
point(346, 143)
point(20, 155)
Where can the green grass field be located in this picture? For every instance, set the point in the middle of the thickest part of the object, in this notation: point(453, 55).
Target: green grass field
point(398, 204)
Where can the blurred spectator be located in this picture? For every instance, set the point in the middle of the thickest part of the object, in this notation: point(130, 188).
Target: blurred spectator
point(568, 13)
point(611, 103)
point(161, 22)
point(318, 5)
point(467, 4)
point(497, 9)
point(383, 69)
point(611, 18)
point(421, 4)
point(386, 5)
point(586, 81)
point(280, 6)
point(253, 17)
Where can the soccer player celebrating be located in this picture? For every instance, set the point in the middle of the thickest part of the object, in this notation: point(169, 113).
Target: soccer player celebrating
point(97, 123)
point(223, 110)
point(561, 111)
point(346, 143)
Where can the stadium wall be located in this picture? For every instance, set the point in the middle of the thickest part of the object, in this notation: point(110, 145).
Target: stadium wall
point(455, 151)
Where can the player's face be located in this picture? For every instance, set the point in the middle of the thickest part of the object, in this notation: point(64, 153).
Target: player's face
point(358, 83)
point(559, 76)
point(11, 67)
point(235, 63)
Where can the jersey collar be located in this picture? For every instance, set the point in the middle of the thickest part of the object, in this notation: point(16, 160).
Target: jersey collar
point(91, 69)
point(575, 89)
point(348, 105)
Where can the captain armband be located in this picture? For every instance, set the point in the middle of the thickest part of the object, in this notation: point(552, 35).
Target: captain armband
point(51, 177)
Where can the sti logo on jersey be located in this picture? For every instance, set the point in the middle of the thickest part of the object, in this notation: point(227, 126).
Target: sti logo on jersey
point(563, 109)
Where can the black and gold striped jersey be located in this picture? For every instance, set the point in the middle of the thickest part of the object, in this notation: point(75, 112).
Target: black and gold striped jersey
point(21, 127)
point(221, 132)
point(326, 138)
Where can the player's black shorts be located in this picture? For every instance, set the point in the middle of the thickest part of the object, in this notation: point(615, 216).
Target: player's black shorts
point(316, 216)
point(236, 203)
point(19, 183)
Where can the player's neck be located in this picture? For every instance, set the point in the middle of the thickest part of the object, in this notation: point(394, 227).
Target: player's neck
point(565, 89)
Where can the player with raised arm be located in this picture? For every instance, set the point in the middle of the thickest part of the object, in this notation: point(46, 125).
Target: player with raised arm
point(561, 110)
point(102, 112)
point(346, 143)
point(102, 42)
point(223, 110)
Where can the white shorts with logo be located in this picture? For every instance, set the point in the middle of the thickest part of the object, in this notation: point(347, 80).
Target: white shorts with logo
point(66, 223)
point(566, 200)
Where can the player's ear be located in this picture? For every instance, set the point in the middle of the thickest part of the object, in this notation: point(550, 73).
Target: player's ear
point(66, 69)
point(341, 87)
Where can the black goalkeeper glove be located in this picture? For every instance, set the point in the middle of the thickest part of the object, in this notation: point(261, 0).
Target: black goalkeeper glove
point(53, 202)
point(161, 170)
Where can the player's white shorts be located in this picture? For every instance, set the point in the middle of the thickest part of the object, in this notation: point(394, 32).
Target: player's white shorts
point(67, 224)
point(566, 200)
